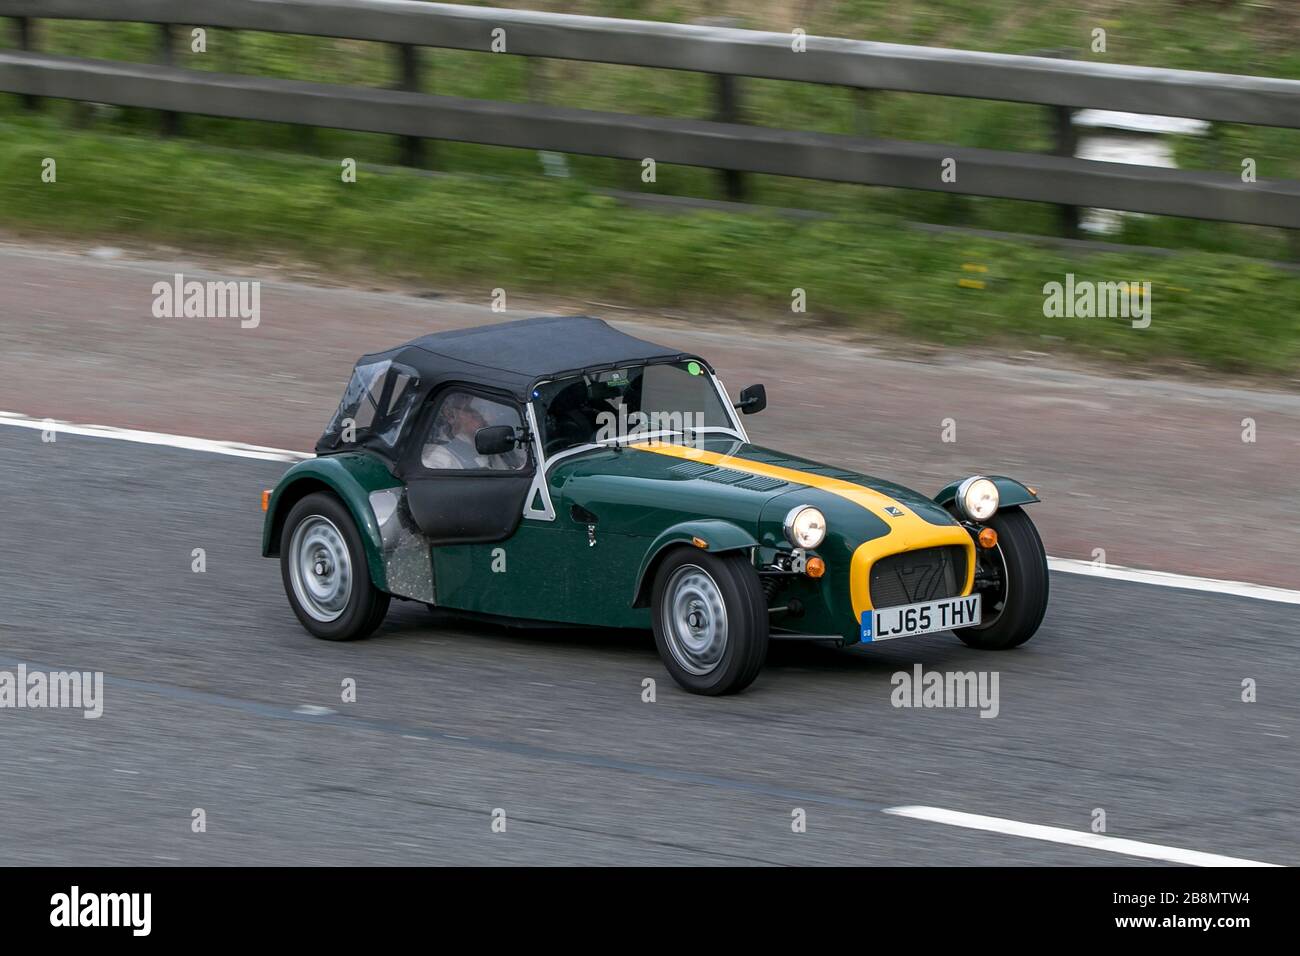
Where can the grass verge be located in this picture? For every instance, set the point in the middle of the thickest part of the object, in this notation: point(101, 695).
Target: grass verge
point(543, 236)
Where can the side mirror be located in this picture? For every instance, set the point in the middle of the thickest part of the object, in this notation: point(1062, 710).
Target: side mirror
point(495, 440)
point(752, 399)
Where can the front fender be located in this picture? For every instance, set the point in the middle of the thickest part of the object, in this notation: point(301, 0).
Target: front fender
point(1010, 492)
point(351, 477)
point(720, 536)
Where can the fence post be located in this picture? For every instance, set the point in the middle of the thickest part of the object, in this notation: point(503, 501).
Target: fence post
point(171, 122)
point(727, 109)
point(538, 79)
point(25, 28)
point(408, 59)
point(1066, 141)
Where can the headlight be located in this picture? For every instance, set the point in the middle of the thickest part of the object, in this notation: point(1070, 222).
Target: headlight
point(977, 498)
point(805, 527)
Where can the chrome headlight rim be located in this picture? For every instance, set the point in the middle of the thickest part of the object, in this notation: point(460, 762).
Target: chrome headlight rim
point(791, 533)
point(964, 489)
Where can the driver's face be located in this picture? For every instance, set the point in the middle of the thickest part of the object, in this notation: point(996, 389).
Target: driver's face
point(469, 421)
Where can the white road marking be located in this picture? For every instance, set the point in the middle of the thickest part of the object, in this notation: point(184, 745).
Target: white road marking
point(1091, 841)
point(1167, 579)
point(313, 710)
point(237, 449)
point(1113, 572)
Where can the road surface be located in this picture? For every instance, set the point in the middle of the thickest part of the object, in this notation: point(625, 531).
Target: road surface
point(1128, 700)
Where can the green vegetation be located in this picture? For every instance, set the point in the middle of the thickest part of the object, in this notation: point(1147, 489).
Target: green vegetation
point(861, 270)
point(1236, 36)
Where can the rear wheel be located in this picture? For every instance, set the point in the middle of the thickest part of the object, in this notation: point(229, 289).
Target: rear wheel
point(323, 564)
point(710, 621)
point(1016, 600)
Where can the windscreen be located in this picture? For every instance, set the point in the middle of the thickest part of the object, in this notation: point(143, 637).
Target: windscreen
point(661, 398)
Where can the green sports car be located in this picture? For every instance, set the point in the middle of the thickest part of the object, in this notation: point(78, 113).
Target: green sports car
point(559, 470)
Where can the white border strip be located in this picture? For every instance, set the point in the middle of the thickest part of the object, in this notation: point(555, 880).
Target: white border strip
point(1091, 841)
point(237, 449)
point(1166, 579)
point(1113, 572)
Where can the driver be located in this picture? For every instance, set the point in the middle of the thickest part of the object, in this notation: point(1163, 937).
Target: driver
point(451, 443)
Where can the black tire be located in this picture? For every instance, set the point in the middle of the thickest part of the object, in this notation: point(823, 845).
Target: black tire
point(1023, 598)
point(365, 605)
point(736, 589)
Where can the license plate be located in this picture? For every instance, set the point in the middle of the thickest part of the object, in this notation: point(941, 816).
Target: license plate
point(908, 620)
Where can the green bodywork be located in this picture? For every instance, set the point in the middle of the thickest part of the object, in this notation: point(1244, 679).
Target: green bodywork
point(352, 477)
point(573, 570)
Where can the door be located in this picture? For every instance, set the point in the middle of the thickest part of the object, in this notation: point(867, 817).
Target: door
point(485, 558)
point(572, 567)
point(456, 495)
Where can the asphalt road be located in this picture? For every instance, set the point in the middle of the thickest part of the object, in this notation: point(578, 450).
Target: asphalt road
point(1128, 700)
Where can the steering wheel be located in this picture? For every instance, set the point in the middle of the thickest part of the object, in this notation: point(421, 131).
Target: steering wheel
point(567, 429)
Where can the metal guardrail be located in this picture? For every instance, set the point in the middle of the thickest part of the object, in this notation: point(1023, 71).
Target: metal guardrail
point(722, 51)
point(709, 49)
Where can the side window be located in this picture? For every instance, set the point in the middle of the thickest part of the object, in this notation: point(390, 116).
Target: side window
point(395, 401)
point(375, 403)
point(449, 444)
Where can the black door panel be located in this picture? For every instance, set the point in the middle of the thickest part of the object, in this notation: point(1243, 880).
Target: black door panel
point(465, 509)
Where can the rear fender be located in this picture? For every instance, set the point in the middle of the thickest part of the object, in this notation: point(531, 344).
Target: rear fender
point(351, 478)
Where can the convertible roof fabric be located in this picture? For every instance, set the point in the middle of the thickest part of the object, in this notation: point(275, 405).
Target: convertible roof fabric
point(511, 356)
point(517, 355)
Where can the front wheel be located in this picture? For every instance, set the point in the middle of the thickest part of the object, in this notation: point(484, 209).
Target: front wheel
point(710, 621)
point(1016, 599)
point(323, 564)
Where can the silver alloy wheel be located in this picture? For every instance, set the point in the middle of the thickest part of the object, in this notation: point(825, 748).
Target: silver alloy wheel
point(987, 621)
point(694, 617)
point(320, 568)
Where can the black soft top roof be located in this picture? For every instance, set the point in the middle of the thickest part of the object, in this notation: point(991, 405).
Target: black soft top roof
point(517, 355)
